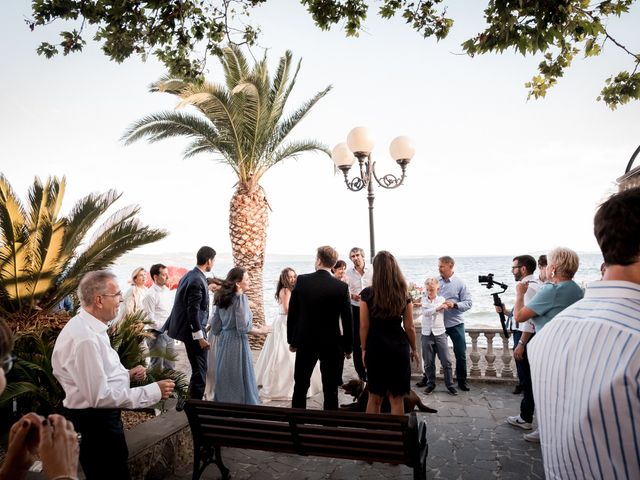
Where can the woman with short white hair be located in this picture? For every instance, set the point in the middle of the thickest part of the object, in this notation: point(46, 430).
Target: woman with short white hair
point(553, 297)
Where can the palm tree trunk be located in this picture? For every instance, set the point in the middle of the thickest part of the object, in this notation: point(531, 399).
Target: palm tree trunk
point(248, 219)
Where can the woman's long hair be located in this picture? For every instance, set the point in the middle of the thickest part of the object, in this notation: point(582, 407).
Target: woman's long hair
point(283, 281)
point(388, 286)
point(224, 296)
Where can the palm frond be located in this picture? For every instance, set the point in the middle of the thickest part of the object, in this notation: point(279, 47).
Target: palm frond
point(158, 126)
point(13, 235)
point(84, 214)
point(295, 148)
point(111, 245)
point(285, 127)
point(235, 65)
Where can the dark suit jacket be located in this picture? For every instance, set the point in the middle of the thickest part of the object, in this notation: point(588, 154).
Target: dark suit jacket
point(190, 310)
point(318, 302)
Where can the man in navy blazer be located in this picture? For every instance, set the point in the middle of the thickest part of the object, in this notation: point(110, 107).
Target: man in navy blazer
point(319, 302)
point(189, 317)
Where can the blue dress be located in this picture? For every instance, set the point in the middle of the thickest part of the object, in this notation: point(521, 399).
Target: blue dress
point(235, 378)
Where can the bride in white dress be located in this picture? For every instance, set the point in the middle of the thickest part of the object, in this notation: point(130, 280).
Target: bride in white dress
point(275, 366)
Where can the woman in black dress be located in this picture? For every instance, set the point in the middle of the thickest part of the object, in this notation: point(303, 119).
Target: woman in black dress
point(387, 347)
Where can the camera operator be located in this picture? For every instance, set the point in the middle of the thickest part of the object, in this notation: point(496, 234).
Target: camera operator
point(522, 270)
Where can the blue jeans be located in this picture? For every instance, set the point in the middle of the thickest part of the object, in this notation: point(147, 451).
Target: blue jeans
point(456, 334)
point(432, 345)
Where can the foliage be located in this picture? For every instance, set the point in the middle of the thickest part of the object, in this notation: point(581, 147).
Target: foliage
point(171, 30)
point(31, 380)
point(43, 254)
point(241, 120)
point(127, 339)
point(180, 33)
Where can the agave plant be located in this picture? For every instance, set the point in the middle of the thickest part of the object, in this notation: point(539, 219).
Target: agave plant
point(242, 124)
point(43, 254)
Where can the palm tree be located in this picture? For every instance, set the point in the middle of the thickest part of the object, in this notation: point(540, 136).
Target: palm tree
point(242, 124)
point(43, 255)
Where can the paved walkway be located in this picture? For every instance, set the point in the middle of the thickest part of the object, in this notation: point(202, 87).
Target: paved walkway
point(468, 439)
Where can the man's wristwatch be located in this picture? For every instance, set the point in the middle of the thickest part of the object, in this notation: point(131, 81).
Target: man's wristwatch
point(521, 343)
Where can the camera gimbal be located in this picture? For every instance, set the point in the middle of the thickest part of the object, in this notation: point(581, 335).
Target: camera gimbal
point(490, 282)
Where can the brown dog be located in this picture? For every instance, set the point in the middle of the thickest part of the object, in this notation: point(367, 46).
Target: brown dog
point(360, 393)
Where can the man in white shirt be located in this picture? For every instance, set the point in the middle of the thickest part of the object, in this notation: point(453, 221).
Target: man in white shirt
point(359, 277)
point(585, 362)
point(157, 304)
point(522, 269)
point(96, 384)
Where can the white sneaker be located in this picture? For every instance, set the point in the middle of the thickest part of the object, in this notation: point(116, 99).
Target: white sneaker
point(516, 421)
point(533, 437)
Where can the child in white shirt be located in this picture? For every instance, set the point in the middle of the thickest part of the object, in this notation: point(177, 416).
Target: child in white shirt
point(434, 338)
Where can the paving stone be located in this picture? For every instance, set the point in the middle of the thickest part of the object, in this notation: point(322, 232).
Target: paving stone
point(457, 412)
point(478, 411)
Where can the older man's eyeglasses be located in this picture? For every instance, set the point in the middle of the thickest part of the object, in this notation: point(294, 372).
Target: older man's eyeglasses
point(516, 266)
point(117, 294)
point(7, 363)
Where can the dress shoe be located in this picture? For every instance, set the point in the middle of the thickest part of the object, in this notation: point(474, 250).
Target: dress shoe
point(429, 389)
point(422, 383)
point(452, 391)
point(518, 389)
point(463, 387)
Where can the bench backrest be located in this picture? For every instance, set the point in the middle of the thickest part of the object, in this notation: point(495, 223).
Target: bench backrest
point(358, 436)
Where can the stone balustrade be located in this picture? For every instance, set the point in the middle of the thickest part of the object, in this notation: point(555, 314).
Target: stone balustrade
point(492, 361)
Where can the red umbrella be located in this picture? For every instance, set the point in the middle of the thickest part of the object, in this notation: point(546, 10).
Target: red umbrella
point(175, 274)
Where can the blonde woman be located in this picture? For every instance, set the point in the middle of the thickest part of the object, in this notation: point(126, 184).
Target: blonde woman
point(133, 297)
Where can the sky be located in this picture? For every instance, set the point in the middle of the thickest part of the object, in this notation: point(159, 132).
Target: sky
point(493, 173)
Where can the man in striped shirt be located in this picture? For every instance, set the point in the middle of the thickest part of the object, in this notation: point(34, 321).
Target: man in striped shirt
point(586, 362)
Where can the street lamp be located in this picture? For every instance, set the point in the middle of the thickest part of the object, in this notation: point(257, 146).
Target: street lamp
point(359, 146)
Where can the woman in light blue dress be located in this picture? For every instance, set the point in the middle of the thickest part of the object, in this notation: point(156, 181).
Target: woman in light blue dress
point(235, 380)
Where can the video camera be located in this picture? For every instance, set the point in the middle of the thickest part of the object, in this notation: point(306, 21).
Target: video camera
point(489, 282)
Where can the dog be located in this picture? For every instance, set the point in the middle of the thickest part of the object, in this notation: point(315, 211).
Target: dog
point(359, 390)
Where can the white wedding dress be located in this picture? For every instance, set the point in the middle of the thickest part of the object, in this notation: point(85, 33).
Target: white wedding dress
point(275, 366)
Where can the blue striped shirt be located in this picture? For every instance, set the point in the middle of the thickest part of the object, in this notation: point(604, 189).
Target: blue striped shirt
point(585, 366)
point(454, 289)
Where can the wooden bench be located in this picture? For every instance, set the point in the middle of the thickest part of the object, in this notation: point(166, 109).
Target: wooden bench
point(396, 439)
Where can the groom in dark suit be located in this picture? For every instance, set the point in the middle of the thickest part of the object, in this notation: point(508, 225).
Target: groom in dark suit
point(189, 316)
point(318, 303)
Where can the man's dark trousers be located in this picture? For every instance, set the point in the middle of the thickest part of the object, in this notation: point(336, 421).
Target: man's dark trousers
point(527, 405)
point(357, 350)
point(330, 369)
point(103, 450)
point(198, 359)
point(456, 334)
point(517, 335)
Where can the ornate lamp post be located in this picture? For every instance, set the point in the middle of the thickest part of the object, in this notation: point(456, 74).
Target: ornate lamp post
point(359, 145)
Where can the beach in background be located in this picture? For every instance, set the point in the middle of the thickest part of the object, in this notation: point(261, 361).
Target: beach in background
point(416, 269)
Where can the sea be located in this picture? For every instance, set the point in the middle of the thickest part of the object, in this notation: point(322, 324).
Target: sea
point(415, 269)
